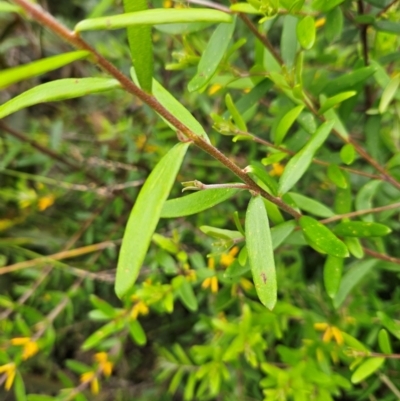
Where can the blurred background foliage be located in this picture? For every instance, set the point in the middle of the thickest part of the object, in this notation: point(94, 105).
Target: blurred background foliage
point(194, 328)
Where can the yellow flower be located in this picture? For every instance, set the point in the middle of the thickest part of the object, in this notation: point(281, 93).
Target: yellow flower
point(30, 347)
point(105, 365)
point(214, 89)
point(329, 333)
point(168, 4)
point(277, 170)
point(211, 282)
point(320, 22)
point(9, 369)
point(46, 202)
point(90, 377)
point(228, 258)
point(140, 308)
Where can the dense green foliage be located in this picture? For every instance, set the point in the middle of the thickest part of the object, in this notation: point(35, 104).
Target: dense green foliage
point(274, 276)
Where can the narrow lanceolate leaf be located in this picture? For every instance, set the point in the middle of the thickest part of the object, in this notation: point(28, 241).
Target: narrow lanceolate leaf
point(212, 55)
point(9, 8)
point(333, 269)
point(299, 163)
point(141, 46)
point(286, 122)
point(156, 16)
point(306, 32)
point(388, 94)
point(322, 238)
point(361, 229)
point(58, 90)
point(311, 206)
point(391, 325)
point(177, 109)
point(335, 100)
point(384, 342)
point(352, 277)
point(12, 75)
point(349, 80)
point(289, 40)
point(260, 252)
point(196, 202)
point(366, 369)
point(144, 218)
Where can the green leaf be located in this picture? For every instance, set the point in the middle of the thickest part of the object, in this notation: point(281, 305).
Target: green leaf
point(388, 93)
point(311, 206)
point(354, 246)
point(260, 252)
point(391, 325)
point(9, 8)
point(212, 55)
point(299, 163)
point(334, 25)
point(141, 46)
point(352, 277)
point(361, 229)
point(155, 16)
point(289, 40)
point(103, 306)
point(349, 80)
point(281, 231)
point(236, 116)
point(333, 269)
point(260, 176)
point(366, 369)
point(196, 202)
point(187, 296)
point(306, 32)
point(137, 333)
point(364, 197)
point(322, 237)
point(177, 109)
point(58, 90)
point(144, 218)
point(333, 101)
point(384, 342)
point(388, 26)
point(220, 233)
point(336, 176)
point(286, 122)
point(347, 154)
point(244, 8)
point(19, 387)
point(16, 74)
point(325, 5)
point(113, 327)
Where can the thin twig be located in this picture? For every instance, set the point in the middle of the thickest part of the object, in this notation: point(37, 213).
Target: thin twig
point(59, 256)
point(360, 213)
point(43, 17)
point(381, 256)
point(389, 383)
point(210, 4)
point(386, 8)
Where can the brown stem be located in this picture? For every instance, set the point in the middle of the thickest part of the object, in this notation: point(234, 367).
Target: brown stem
point(386, 8)
point(385, 175)
point(360, 213)
point(316, 161)
point(381, 256)
point(262, 38)
point(40, 15)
